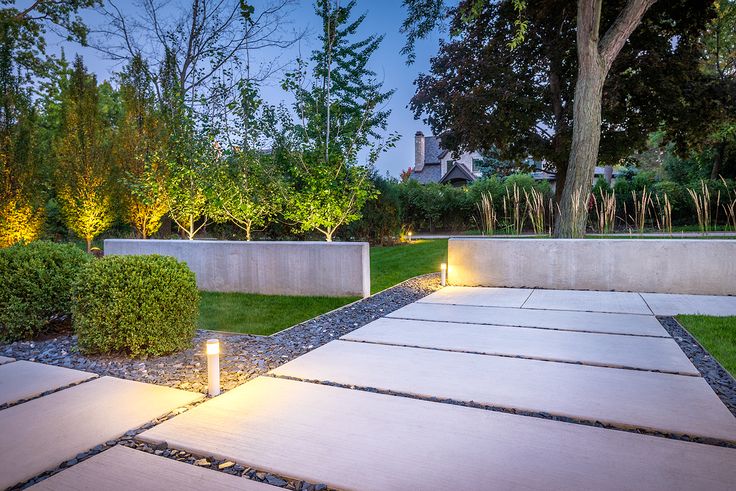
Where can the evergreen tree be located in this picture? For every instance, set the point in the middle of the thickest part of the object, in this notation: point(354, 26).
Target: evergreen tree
point(83, 175)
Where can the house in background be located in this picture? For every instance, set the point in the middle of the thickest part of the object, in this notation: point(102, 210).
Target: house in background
point(432, 163)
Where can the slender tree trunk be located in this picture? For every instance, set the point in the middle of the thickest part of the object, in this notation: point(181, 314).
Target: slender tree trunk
point(89, 244)
point(247, 232)
point(720, 153)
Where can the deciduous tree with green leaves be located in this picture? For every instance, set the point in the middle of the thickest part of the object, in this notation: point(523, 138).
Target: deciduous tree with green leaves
point(340, 112)
point(84, 181)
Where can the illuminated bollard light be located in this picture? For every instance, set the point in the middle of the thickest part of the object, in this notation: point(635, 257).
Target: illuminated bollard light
point(213, 367)
point(409, 234)
point(443, 274)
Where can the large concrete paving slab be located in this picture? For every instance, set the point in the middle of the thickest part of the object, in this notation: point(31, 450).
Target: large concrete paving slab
point(351, 439)
point(487, 297)
point(627, 398)
point(40, 434)
point(642, 325)
point(5, 359)
point(671, 304)
point(640, 352)
point(123, 469)
point(26, 379)
point(588, 301)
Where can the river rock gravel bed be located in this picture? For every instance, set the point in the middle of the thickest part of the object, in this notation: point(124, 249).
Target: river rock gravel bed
point(717, 377)
point(243, 356)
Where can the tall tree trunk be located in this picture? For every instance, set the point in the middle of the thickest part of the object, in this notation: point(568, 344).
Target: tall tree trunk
point(88, 240)
point(594, 61)
point(720, 153)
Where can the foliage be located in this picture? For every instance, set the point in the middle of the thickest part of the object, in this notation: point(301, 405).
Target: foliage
point(84, 186)
point(341, 114)
point(35, 286)
point(19, 221)
point(138, 305)
point(381, 216)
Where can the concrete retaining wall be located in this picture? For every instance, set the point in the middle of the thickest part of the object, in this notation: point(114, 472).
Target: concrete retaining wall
point(705, 267)
point(274, 268)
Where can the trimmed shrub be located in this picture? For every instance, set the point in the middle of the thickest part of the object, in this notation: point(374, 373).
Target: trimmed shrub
point(137, 305)
point(35, 286)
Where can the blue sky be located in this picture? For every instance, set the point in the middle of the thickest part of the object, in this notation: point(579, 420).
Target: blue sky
point(383, 17)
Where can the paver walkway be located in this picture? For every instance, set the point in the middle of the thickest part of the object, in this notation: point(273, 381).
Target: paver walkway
point(25, 379)
point(124, 469)
point(40, 434)
point(533, 351)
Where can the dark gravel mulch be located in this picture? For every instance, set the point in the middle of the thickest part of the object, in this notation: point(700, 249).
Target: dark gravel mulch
point(717, 377)
point(243, 356)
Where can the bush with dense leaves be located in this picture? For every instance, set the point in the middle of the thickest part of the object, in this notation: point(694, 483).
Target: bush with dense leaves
point(35, 286)
point(137, 305)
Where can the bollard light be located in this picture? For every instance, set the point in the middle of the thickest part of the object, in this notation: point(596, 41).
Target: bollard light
point(213, 367)
point(409, 234)
point(443, 274)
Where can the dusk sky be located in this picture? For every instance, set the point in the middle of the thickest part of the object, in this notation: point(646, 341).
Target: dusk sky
point(383, 17)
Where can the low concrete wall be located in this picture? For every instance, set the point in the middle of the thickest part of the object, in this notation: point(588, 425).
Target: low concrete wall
point(706, 267)
point(274, 268)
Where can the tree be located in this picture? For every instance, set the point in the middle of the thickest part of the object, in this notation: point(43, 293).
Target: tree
point(483, 93)
point(83, 174)
point(213, 42)
point(140, 142)
point(339, 114)
point(21, 214)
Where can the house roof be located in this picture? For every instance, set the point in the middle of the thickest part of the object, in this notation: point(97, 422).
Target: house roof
point(432, 150)
point(457, 171)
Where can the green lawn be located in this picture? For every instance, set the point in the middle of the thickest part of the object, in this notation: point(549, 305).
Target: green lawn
point(392, 265)
point(716, 334)
point(267, 314)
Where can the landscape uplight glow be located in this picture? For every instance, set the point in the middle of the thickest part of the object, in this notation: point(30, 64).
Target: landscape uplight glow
point(409, 234)
point(213, 367)
point(443, 274)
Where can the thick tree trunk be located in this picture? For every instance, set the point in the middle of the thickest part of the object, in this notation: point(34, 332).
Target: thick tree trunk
point(594, 60)
point(586, 137)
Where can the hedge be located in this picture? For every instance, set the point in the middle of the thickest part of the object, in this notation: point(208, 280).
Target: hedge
point(136, 305)
point(35, 287)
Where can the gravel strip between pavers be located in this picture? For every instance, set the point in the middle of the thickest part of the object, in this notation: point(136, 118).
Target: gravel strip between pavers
point(722, 383)
point(243, 356)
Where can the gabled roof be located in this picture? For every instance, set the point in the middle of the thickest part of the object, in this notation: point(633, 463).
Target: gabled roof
point(457, 171)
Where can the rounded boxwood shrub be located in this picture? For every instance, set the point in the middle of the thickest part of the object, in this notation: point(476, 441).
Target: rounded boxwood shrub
point(35, 286)
point(138, 305)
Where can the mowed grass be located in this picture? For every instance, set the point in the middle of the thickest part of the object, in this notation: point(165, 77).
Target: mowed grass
point(268, 314)
point(716, 334)
point(261, 314)
point(394, 264)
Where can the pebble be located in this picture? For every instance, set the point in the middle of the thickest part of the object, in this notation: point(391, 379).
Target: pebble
point(244, 357)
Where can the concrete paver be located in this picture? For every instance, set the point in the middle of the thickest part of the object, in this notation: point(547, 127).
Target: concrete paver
point(40, 434)
point(25, 379)
point(642, 325)
point(670, 304)
point(588, 301)
point(627, 398)
point(123, 469)
point(646, 353)
point(487, 297)
point(352, 439)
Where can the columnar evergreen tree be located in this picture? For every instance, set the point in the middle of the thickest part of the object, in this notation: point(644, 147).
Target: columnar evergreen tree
point(340, 113)
point(83, 175)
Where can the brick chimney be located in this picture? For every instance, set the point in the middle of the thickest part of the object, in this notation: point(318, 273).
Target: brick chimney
point(418, 151)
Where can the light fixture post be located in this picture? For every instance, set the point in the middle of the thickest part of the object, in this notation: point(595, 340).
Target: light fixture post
point(443, 274)
point(213, 367)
